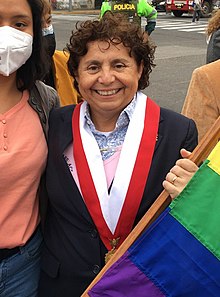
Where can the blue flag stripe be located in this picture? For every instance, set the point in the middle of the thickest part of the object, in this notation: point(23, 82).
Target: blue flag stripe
point(170, 255)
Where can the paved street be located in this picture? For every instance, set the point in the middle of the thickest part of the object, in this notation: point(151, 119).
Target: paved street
point(181, 47)
point(179, 51)
point(182, 25)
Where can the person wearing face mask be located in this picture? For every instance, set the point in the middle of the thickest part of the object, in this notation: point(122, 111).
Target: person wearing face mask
point(58, 76)
point(25, 103)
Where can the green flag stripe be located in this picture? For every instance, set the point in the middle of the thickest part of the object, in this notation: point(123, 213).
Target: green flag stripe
point(197, 208)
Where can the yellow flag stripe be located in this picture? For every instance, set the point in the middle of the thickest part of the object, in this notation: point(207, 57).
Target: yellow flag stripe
point(214, 159)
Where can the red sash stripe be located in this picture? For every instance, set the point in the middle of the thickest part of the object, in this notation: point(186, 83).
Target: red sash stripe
point(140, 171)
point(85, 179)
point(137, 182)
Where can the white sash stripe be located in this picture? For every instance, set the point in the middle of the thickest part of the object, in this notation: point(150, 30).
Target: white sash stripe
point(111, 205)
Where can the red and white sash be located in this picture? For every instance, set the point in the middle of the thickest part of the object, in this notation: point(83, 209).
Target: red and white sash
point(114, 213)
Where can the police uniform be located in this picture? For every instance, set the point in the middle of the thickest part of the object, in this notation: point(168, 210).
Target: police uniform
point(135, 9)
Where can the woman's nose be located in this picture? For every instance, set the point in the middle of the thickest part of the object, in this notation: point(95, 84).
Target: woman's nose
point(106, 76)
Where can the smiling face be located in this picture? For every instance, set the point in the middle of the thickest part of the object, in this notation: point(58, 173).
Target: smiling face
point(108, 78)
point(16, 15)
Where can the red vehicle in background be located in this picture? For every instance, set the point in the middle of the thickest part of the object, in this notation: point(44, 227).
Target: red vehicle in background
point(178, 7)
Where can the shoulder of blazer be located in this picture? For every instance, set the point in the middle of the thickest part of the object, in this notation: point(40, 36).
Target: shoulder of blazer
point(60, 126)
point(176, 128)
point(62, 113)
point(209, 70)
point(207, 73)
point(176, 123)
point(173, 117)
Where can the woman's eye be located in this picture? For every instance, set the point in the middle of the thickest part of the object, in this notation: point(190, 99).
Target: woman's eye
point(93, 68)
point(119, 66)
point(20, 25)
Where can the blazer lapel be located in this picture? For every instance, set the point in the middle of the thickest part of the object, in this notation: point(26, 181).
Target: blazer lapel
point(70, 187)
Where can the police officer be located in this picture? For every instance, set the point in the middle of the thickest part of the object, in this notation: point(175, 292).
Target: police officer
point(135, 9)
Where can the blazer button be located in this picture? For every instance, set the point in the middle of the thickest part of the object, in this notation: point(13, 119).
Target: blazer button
point(93, 233)
point(96, 269)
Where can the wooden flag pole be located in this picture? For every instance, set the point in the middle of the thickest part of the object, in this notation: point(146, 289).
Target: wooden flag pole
point(199, 154)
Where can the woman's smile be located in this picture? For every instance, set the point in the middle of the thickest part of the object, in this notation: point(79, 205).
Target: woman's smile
point(108, 92)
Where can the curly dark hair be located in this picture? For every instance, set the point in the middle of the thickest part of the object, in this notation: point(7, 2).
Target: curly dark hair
point(114, 29)
point(37, 65)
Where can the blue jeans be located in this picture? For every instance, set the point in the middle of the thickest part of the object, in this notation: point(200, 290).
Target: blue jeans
point(19, 274)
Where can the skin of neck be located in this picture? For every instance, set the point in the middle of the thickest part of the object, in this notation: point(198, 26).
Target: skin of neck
point(105, 122)
point(9, 95)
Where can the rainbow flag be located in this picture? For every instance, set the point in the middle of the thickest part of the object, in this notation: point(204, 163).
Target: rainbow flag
point(179, 254)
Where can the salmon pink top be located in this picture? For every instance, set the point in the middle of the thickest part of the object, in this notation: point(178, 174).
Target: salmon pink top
point(23, 152)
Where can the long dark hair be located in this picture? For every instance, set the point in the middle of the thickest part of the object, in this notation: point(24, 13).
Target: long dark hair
point(36, 66)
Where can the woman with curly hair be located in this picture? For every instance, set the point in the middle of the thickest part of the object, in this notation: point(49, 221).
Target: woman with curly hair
point(213, 38)
point(108, 155)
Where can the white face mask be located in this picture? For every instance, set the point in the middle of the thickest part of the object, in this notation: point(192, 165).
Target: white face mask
point(15, 49)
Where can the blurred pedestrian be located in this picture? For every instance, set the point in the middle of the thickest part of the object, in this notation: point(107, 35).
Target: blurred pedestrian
point(213, 38)
point(134, 9)
point(54, 4)
point(58, 76)
point(25, 103)
point(197, 10)
point(108, 156)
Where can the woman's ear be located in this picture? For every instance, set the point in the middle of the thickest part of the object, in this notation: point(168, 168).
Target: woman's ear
point(140, 69)
point(76, 76)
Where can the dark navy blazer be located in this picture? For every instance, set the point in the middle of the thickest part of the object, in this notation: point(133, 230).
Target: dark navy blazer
point(73, 253)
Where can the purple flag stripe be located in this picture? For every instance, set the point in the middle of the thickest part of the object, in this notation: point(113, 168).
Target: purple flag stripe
point(123, 279)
